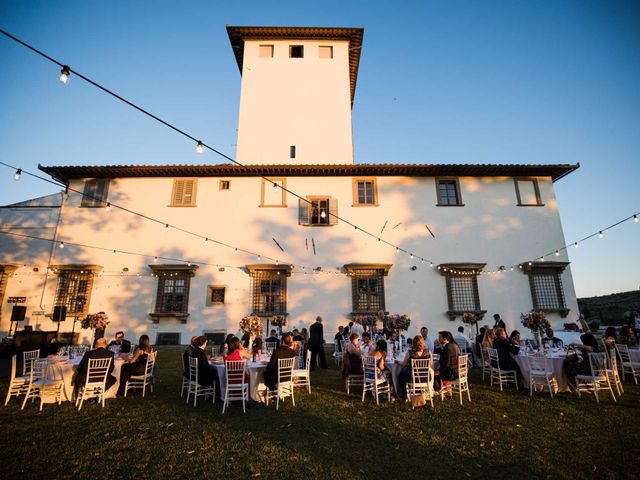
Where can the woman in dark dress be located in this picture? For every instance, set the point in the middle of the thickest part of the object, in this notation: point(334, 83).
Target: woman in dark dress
point(418, 350)
point(137, 364)
point(449, 353)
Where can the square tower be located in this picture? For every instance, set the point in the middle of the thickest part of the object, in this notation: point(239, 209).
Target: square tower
point(298, 85)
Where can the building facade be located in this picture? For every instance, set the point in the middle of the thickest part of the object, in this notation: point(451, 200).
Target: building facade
point(315, 232)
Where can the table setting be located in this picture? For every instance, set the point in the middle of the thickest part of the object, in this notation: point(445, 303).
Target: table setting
point(256, 375)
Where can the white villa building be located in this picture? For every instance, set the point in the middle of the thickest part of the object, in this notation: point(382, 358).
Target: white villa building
point(298, 87)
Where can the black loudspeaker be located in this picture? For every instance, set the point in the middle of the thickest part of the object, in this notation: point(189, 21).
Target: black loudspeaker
point(59, 313)
point(18, 313)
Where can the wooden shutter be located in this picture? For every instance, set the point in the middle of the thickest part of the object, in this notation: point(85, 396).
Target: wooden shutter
point(333, 211)
point(303, 212)
point(184, 193)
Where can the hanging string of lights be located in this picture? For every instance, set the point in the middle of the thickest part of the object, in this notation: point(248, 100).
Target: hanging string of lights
point(65, 74)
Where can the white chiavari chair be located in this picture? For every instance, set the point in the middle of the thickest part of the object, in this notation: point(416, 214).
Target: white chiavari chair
point(337, 356)
point(422, 378)
point(95, 384)
point(269, 347)
point(27, 356)
point(541, 373)
point(374, 383)
point(598, 380)
point(17, 384)
point(497, 374)
point(40, 385)
point(628, 366)
point(461, 384)
point(485, 363)
point(302, 376)
point(141, 381)
point(194, 387)
point(185, 378)
point(285, 386)
point(237, 387)
point(613, 372)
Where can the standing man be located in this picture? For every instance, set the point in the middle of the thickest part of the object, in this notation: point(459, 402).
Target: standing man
point(316, 343)
point(339, 338)
point(357, 328)
point(498, 323)
point(428, 343)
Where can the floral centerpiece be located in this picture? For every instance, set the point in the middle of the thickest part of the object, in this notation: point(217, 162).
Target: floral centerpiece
point(536, 322)
point(469, 318)
point(398, 323)
point(252, 325)
point(96, 321)
point(368, 320)
point(279, 321)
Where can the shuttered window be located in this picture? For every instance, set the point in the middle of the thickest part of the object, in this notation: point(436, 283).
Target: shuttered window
point(95, 192)
point(318, 211)
point(184, 192)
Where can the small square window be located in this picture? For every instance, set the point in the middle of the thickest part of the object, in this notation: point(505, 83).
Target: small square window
point(325, 51)
point(224, 184)
point(266, 51)
point(449, 193)
point(215, 295)
point(296, 51)
point(528, 192)
point(364, 192)
point(292, 151)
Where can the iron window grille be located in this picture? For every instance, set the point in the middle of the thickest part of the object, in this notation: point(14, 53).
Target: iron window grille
point(269, 292)
point(461, 281)
point(545, 281)
point(74, 291)
point(173, 292)
point(367, 287)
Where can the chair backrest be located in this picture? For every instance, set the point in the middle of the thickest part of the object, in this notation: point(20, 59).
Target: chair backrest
point(463, 347)
point(493, 358)
point(299, 346)
point(369, 367)
point(420, 371)
point(97, 370)
point(27, 357)
point(151, 362)
point(39, 368)
point(463, 366)
point(234, 371)
point(285, 369)
point(598, 363)
point(14, 361)
point(307, 365)
point(613, 361)
point(270, 347)
point(538, 364)
point(215, 350)
point(193, 369)
point(623, 351)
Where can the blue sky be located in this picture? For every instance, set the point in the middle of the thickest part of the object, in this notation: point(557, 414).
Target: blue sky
point(439, 82)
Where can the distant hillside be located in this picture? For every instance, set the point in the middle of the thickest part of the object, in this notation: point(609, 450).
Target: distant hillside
point(610, 309)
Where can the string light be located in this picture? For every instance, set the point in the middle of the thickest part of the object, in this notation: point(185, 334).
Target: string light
point(575, 244)
point(155, 259)
point(635, 218)
point(323, 214)
point(557, 253)
point(422, 260)
point(431, 264)
point(206, 241)
point(65, 73)
point(166, 227)
point(411, 255)
point(397, 250)
point(108, 206)
point(235, 250)
point(259, 257)
point(61, 244)
point(355, 227)
point(200, 147)
point(114, 253)
point(275, 187)
point(17, 175)
point(600, 234)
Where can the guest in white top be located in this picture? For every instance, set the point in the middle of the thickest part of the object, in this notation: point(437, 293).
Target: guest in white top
point(461, 339)
point(367, 344)
point(357, 328)
point(428, 343)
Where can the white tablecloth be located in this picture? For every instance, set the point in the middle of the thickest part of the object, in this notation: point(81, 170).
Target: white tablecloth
point(66, 372)
point(568, 337)
point(554, 361)
point(256, 380)
point(634, 353)
point(394, 364)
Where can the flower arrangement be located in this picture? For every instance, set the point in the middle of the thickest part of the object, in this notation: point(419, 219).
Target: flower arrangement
point(368, 320)
point(98, 320)
point(252, 325)
point(535, 321)
point(279, 321)
point(469, 318)
point(398, 323)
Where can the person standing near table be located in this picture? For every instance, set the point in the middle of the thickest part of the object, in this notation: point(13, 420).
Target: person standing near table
point(357, 328)
point(316, 344)
point(498, 322)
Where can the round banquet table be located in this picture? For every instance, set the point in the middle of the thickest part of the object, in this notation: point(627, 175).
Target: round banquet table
point(257, 388)
point(555, 360)
point(393, 364)
point(65, 370)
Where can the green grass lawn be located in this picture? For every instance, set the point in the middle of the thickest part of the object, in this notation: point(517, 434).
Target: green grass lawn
point(327, 435)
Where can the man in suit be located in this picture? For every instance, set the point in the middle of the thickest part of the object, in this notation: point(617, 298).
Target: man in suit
point(120, 341)
point(99, 352)
point(316, 343)
point(339, 338)
point(498, 322)
point(551, 339)
point(285, 350)
point(186, 354)
point(273, 338)
point(207, 375)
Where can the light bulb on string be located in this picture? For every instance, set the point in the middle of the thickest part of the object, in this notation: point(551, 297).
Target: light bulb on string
point(635, 218)
point(61, 244)
point(259, 257)
point(200, 147)
point(17, 175)
point(323, 214)
point(355, 227)
point(557, 253)
point(108, 207)
point(235, 250)
point(155, 259)
point(378, 240)
point(114, 253)
point(65, 73)
point(575, 245)
point(411, 256)
point(542, 259)
point(397, 250)
point(600, 235)
point(166, 227)
point(275, 187)
point(422, 260)
point(206, 241)
point(431, 264)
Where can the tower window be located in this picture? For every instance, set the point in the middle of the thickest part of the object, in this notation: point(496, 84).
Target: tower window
point(292, 151)
point(325, 51)
point(296, 51)
point(266, 51)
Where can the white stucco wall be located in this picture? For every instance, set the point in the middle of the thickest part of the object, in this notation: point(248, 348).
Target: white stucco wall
point(304, 102)
point(489, 228)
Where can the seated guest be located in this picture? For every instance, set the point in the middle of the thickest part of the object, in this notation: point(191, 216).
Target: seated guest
point(505, 350)
point(449, 354)
point(237, 351)
point(626, 337)
point(285, 350)
point(367, 344)
point(418, 350)
point(379, 352)
point(207, 375)
point(257, 348)
point(514, 338)
point(610, 337)
point(137, 364)
point(478, 342)
point(575, 365)
point(99, 352)
point(461, 339)
point(123, 345)
point(187, 353)
point(551, 340)
point(487, 342)
point(297, 336)
point(273, 338)
point(339, 338)
point(225, 345)
point(246, 338)
point(353, 355)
